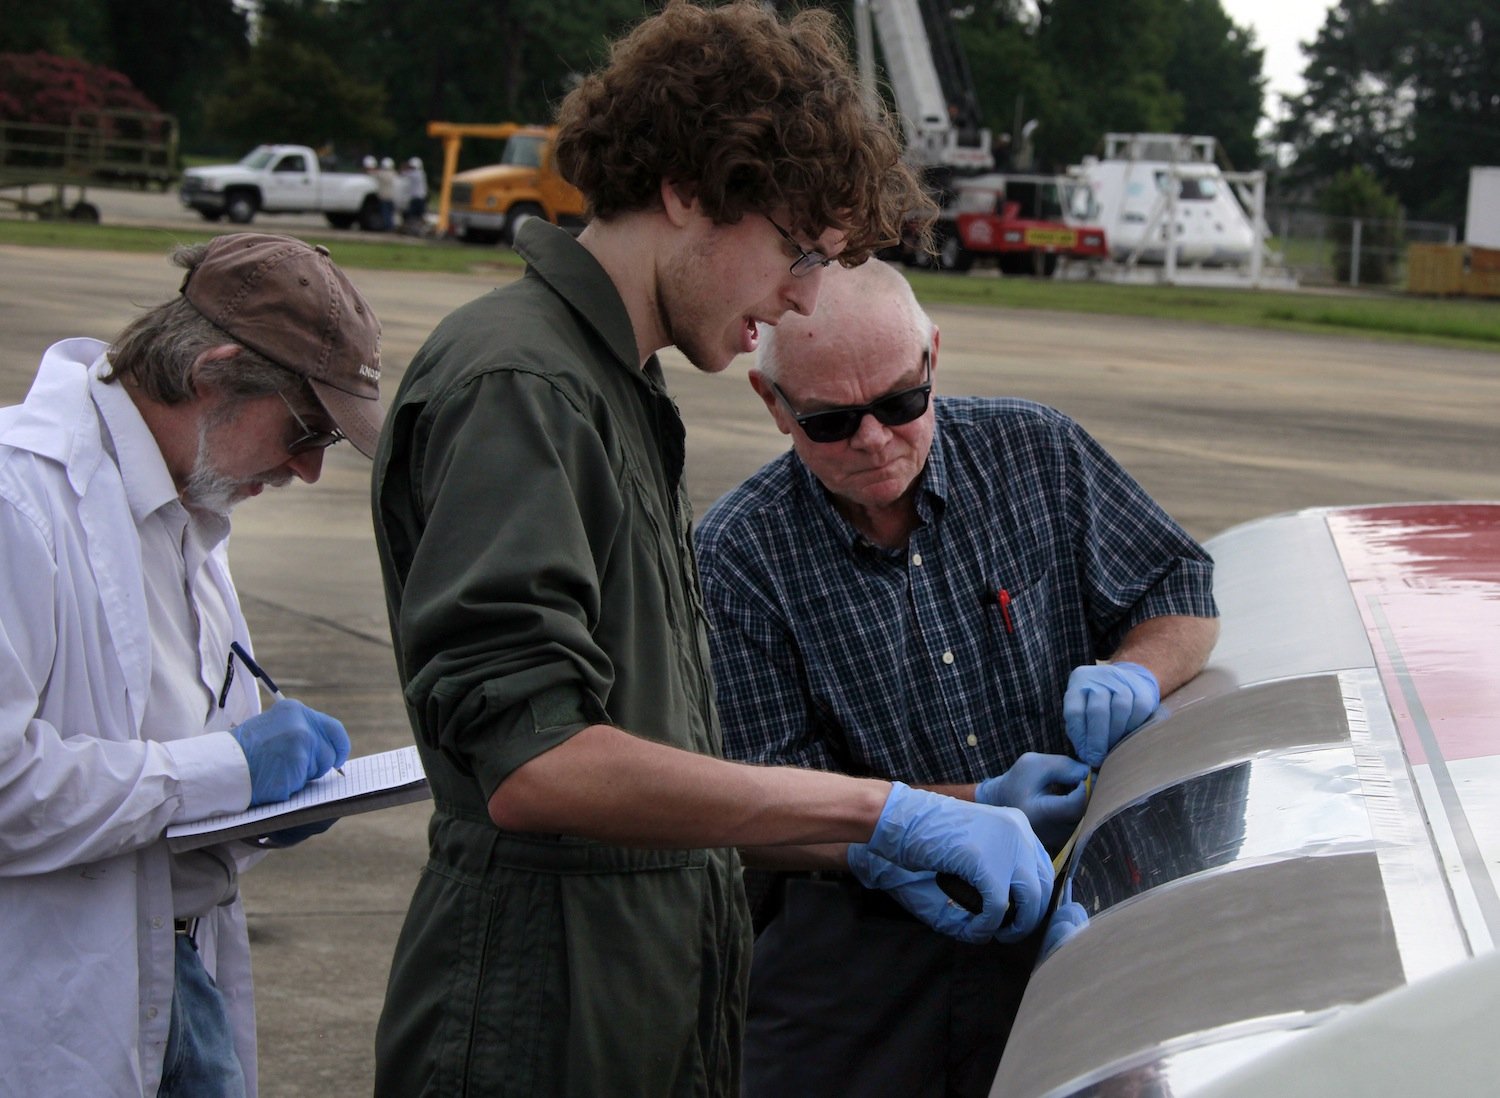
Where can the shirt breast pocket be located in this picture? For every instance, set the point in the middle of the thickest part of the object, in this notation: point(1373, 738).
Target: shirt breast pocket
point(1024, 639)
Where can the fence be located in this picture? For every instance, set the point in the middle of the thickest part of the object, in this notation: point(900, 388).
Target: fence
point(1348, 251)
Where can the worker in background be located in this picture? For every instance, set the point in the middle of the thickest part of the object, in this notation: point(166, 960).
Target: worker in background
point(414, 210)
point(388, 191)
point(581, 927)
point(126, 966)
point(920, 591)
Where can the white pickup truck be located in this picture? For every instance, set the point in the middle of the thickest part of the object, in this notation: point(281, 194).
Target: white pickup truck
point(281, 179)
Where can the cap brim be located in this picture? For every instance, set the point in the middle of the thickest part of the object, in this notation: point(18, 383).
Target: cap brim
point(358, 417)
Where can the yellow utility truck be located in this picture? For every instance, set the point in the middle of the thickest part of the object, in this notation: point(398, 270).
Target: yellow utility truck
point(488, 204)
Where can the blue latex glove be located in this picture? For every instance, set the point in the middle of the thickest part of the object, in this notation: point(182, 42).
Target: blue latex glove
point(993, 849)
point(288, 746)
point(916, 891)
point(291, 836)
point(1103, 702)
point(1050, 789)
point(1067, 920)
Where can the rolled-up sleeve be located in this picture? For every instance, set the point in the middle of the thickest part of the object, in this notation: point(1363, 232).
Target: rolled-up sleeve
point(502, 591)
point(1136, 562)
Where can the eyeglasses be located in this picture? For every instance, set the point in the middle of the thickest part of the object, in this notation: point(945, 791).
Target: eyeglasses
point(308, 439)
point(893, 410)
point(806, 262)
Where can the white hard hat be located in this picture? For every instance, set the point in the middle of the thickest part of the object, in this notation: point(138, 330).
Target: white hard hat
point(387, 162)
point(368, 162)
point(414, 162)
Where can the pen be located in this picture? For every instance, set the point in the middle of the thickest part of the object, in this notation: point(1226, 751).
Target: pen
point(1003, 597)
point(260, 673)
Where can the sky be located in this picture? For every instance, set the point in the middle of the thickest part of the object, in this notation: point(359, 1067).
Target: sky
point(1279, 26)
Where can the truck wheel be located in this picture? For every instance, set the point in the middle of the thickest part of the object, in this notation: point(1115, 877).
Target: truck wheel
point(953, 256)
point(241, 207)
point(212, 215)
point(520, 213)
point(371, 220)
point(340, 221)
point(84, 211)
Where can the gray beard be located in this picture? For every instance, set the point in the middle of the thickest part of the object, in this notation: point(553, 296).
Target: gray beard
point(210, 490)
point(207, 489)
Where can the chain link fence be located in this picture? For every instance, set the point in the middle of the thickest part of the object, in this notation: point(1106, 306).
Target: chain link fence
point(1320, 250)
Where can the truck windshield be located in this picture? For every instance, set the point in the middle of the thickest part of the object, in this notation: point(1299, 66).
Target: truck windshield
point(524, 151)
point(256, 158)
point(1081, 204)
point(1037, 199)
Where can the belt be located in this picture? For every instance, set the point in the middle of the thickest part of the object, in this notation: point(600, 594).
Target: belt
point(766, 888)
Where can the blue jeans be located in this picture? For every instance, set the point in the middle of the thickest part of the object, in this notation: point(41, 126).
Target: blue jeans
point(201, 1061)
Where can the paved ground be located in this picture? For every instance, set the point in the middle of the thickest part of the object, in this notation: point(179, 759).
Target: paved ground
point(1222, 425)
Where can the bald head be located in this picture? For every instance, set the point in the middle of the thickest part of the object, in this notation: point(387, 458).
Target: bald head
point(851, 388)
point(863, 312)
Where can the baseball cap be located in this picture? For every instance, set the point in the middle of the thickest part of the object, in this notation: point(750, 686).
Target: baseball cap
point(287, 300)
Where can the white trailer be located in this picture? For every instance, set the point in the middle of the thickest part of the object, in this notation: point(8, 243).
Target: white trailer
point(1167, 205)
point(1482, 225)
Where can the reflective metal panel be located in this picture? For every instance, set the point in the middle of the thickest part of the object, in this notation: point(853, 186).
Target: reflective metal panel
point(1297, 805)
point(1184, 741)
point(1296, 618)
point(1287, 938)
point(1311, 822)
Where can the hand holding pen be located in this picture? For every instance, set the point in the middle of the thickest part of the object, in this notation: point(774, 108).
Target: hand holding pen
point(289, 745)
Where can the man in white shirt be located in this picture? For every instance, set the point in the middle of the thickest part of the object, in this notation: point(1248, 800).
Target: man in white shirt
point(126, 966)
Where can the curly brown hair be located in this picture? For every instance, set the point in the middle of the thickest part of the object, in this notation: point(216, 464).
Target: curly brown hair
point(751, 114)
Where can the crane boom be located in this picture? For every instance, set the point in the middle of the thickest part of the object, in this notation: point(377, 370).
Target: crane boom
point(940, 123)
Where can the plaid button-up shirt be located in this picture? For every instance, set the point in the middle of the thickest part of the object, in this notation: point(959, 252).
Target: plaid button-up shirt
point(944, 661)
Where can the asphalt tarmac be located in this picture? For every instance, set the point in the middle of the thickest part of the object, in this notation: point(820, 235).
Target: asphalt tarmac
point(1221, 425)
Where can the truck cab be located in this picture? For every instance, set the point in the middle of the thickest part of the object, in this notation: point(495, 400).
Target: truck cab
point(490, 203)
point(1022, 222)
point(281, 179)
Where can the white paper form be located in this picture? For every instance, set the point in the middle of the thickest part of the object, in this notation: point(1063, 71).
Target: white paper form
point(368, 782)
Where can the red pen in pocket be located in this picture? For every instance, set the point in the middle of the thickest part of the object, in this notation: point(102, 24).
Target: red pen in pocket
point(1003, 597)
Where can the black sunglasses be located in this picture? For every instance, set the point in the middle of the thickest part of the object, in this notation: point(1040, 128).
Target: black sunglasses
point(893, 409)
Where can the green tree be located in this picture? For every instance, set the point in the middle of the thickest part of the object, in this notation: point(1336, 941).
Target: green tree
point(477, 60)
point(1348, 116)
point(1109, 70)
point(1446, 58)
point(1356, 195)
point(1174, 66)
point(177, 53)
point(1011, 80)
point(66, 28)
point(1407, 89)
point(288, 91)
point(1215, 68)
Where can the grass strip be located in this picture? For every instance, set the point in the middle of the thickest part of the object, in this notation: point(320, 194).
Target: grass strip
point(1450, 322)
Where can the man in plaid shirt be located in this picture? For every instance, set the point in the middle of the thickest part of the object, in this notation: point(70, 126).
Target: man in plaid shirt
point(923, 590)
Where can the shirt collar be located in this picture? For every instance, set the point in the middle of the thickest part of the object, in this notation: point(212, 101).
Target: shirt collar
point(148, 483)
point(572, 272)
point(933, 497)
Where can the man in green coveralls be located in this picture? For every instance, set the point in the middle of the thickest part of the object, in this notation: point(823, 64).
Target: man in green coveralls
point(581, 928)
